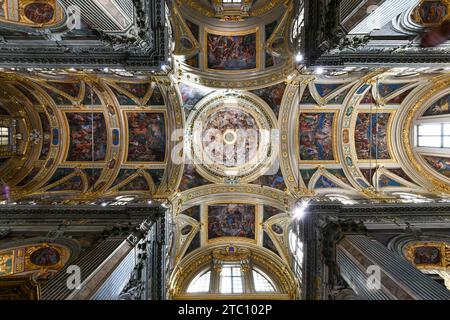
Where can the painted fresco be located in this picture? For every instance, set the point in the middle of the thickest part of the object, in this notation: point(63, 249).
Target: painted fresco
point(91, 97)
point(156, 98)
point(368, 174)
point(46, 136)
point(191, 178)
point(339, 98)
point(193, 61)
point(88, 137)
point(93, 175)
point(231, 52)
point(2, 9)
point(324, 89)
point(368, 98)
point(440, 164)
point(274, 181)
point(70, 88)
point(46, 256)
point(269, 212)
point(29, 177)
point(39, 13)
point(137, 89)
point(324, 182)
point(307, 98)
point(58, 99)
point(315, 136)
point(270, 28)
point(385, 181)
point(427, 255)
point(339, 173)
point(398, 99)
point(6, 263)
point(273, 61)
point(195, 243)
point(385, 89)
point(147, 137)
point(27, 93)
point(401, 173)
point(75, 183)
point(157, 175)
point(59, 174)
point(231, 220)
point(440, 107)
point(123, 99)
point(246, 142)
point(191, 95)
point(194, 28)
point(123, 175)
point(186, 230)
point(137, 184)
point(430, 12)
point(307, 175)
point(268, 243)
point(371, 136)
point(193, 212)
point(272, 95)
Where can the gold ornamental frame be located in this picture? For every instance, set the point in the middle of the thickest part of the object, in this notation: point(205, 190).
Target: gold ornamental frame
point(255, 31)
point(127, 135)
point(204, 215)
point(334, 137)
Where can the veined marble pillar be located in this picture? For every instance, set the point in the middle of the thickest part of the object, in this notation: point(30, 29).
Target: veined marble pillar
point(360, 258)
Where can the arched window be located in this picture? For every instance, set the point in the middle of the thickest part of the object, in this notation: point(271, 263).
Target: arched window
point(4, 136)
point(201, 283)
point(231, 280)
point(433, 135)
point(236, 272)
point(262, 282)
point(296, 246)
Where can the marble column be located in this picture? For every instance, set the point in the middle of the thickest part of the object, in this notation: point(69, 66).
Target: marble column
point(361, 259)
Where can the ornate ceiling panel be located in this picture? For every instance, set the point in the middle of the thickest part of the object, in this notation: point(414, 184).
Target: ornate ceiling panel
point(121, 34)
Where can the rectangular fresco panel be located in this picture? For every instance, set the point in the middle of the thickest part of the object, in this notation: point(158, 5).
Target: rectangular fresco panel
point(427, 255)
point(315, 136)
point(147, 137)
point(227, 52)
point(371, 136)
point(231, 220)
point(88, 136)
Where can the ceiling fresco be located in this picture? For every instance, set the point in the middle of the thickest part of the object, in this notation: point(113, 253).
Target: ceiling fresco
point(229, 136)
point(87, 139)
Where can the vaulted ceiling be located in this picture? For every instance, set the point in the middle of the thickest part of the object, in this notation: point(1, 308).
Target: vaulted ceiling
point(233, 122)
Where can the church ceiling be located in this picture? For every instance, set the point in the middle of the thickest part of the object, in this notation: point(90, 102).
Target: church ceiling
point(229, 136)
point(93, 134)
point(122, 34)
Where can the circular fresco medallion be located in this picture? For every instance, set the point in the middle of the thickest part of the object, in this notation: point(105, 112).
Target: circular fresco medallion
point(39, 12)
point(277, 229)
point(46, 256)
point(186, 230)
point(230, 137)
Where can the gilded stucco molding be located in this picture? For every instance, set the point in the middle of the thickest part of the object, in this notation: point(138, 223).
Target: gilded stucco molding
point(434, 87)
